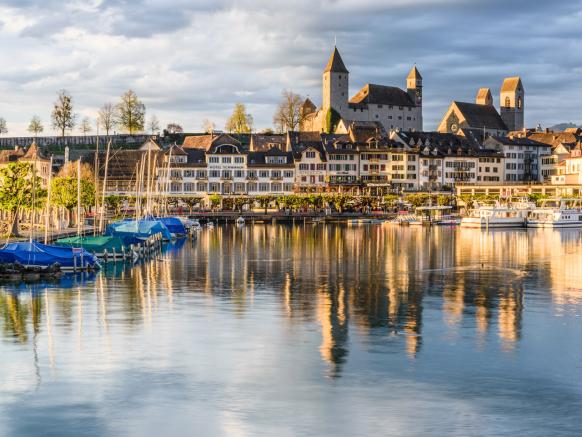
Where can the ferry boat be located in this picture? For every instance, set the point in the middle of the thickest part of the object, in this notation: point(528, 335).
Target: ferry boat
point(562, 213)
point(495, 217)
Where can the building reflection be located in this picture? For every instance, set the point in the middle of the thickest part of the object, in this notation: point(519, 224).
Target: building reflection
point(372, 282)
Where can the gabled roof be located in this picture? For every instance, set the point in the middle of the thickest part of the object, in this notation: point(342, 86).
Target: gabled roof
point(34, 153)
point(382, 95)
point(511, 84)
point(414, 73)
point(206, 141)
point(335, 63)
point(481, 116)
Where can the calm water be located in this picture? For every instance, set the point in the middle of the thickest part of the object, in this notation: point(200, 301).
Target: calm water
point(315, 330)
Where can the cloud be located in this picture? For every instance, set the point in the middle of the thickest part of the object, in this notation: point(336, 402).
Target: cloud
point(191, 60)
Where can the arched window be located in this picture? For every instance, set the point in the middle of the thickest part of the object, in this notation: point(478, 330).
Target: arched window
point(519, 102)
point(507, 102)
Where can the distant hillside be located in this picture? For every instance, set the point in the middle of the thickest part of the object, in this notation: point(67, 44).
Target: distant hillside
point(563, 126)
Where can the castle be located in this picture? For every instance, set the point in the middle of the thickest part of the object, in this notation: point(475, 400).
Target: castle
point(389, 108)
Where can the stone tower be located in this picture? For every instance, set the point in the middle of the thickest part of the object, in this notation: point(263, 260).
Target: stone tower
point(511, 102)
point(336, 84)
point(414, 89)
point(484, 97)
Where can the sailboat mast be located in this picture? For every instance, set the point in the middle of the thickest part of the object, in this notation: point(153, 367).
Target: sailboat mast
point(102, 212)
point(48, 202)
point(96, 168)
point(79, 197)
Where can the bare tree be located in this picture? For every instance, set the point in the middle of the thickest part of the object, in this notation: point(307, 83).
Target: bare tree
point(240, 121)
point(85, 126)
point(63, 117)
point(288, 116)
point(208, 126)
point(154, 124)
point(174, 128)
point(3, 128)
point(35, 127)
point(130, 113)
point(106, 117)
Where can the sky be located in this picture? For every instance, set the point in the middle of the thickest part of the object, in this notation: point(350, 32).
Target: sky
point(190, 60)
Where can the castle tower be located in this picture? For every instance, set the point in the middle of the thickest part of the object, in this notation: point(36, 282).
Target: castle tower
point(484, 97)
point(414, 88)
point(335, 84)
point(511, 102)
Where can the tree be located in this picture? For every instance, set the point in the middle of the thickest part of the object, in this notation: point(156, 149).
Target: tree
point(240, 121)
point(106, 117)
point(3, 128)
point(174, 128)
point(85, 127)
point(264, 201)
point(215, 201)
point(35, 127)
point(69, 170)
point(154, 124)
point(288, 116)
point(130, 114)
point(64, 193)
point(63, 118)
point(18, 189)
point(114, 202)
point(208, 126)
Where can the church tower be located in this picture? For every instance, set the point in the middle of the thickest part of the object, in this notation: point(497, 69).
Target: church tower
point(336, 84)
point(511, 102)
point(414, 89)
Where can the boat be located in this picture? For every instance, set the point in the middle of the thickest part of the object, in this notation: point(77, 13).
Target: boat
point(104, 247)
point(195, 226)
point(365, 221)
point(210, 225)
point(433, 215)
point(499, 216)
point(240, 221)
point(137, 231)
point(557, 213)
point(175, 226)
point(35, 254)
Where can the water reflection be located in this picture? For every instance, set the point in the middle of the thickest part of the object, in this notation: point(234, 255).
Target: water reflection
point(374, 280)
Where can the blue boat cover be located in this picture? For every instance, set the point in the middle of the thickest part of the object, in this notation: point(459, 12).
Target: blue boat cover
point(174, 225)
point(134, 231)
point(38, 254)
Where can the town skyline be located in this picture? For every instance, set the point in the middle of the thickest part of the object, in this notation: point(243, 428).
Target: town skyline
point(96, 57)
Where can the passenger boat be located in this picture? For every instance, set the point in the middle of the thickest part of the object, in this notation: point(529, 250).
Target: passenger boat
point(486, 217)
point(557, 213)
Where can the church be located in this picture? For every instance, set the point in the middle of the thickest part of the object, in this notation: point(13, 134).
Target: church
point(387, 107)
point(482, 118)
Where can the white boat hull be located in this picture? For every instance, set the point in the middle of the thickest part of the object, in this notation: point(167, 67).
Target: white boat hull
point(481, 223)
point(557, 224)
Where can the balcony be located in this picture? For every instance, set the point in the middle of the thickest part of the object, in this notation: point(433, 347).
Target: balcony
point(251, 178)
point(276, 178)
point(201, 178)
point(226, 178)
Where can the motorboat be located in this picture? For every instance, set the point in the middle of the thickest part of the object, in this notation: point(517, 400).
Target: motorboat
point(557, 213)
point(210, 225)
point(433, 215)
point(240, 221)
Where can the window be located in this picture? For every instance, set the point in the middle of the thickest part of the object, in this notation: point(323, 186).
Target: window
point(304, 167)
point(239, 174)
point(213, 159)
point(264, 174)
point(288, 174)
point(214, 173)
point(310, 154)
point(239, 160)
point(200, 186)
point(321, 166)
point(226, 160)
point(507, 102)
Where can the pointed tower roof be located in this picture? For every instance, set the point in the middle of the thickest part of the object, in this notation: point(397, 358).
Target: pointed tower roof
point(335, 63)
point(34, 153)
point(511, 84)
point(414, 73)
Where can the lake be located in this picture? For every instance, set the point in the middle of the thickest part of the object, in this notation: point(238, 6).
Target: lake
point(311, 330)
